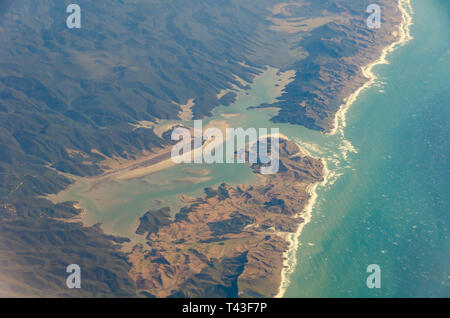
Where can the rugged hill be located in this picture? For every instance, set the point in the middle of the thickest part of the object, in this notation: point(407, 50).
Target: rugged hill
point(231, 241)
point(71, 98)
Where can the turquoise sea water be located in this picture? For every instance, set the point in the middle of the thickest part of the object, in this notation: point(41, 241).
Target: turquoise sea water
point(391, 205)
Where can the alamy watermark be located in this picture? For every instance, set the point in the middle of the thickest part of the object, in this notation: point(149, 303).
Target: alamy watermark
point(74, 19)
point(74, 279)
point(374, 279)
point(374, 19)
point(240, 146)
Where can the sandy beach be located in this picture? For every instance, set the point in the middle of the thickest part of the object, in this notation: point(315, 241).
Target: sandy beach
point(404, 36)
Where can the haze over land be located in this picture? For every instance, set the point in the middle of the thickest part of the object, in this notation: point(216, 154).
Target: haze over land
point(95, 106)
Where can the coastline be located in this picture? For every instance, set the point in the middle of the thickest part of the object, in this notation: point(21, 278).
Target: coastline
point(290, 256)
point(404, 36)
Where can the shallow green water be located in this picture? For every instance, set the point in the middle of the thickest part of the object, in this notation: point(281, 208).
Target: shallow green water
point(391, 207)
point(118, 204)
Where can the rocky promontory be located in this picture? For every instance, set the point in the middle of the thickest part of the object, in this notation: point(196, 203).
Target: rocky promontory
point(231, 241)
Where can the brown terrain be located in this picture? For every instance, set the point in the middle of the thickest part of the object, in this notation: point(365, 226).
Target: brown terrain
point(230, 241)
point(59, 117)
point(338, 45)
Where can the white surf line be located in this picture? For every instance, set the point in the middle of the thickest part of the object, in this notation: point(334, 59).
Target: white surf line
point(290, 256)
point(404, 37)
